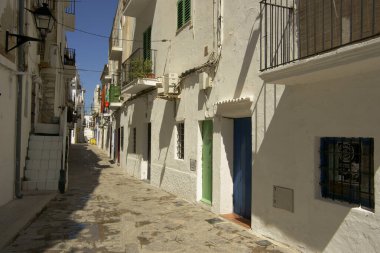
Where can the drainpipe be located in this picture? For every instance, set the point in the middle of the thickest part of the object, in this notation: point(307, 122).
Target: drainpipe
point(20, 62)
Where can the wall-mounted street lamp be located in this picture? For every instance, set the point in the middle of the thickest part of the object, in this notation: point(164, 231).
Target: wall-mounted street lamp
point(44, 21)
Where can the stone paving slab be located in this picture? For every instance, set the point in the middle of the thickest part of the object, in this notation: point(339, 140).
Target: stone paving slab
point(104, 210)
point(18, 213)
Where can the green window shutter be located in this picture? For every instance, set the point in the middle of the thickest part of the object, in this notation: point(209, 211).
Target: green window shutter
point(147, 43)
point(187, 11)
point(180, 14)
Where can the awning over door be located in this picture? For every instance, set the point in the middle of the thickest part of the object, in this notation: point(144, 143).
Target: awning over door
point(235, 107)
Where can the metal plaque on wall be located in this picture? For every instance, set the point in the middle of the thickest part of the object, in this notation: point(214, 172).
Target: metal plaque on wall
point(283, 198)
point(193, 165)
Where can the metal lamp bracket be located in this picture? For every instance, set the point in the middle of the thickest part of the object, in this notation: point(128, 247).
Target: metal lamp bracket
point(20, 39)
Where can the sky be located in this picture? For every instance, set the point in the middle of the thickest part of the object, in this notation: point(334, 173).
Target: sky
point(94, 16)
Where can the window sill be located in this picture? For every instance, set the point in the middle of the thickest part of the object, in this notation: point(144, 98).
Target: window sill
point(187, 24)
point(355, 207)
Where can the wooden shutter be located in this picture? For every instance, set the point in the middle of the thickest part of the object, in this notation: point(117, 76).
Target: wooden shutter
point(180, 14)
point(147, 43)
point(187, 11)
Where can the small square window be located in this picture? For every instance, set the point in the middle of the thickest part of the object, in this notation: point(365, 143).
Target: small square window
point(347, 170)
point(180, 140)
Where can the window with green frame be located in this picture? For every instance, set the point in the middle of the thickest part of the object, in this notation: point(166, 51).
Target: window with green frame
point(147, 36)
point(183, 12)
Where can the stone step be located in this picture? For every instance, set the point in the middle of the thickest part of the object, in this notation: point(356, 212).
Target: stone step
point(47, 129)
point(41, 175)
point(43, 164)
point(44, 154)
point(45, 138)
point(51, 185)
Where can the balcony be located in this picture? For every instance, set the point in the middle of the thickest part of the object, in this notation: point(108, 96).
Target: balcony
point(311, 41)
point(69, 63)
point(139, 71)
point(69, 57)
point(116, 44)
point(69, 15)
point(114, 96)
point(133, 8)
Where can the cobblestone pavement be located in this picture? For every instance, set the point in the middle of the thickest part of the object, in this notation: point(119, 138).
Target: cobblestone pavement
point(107, 211)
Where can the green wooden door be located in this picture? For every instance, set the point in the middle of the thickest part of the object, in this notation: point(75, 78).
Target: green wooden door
point(207, 130)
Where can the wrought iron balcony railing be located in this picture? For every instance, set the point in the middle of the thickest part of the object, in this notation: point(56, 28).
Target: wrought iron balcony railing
point(70, 7)
point(69, 57)
point(291, 30)
point(141, 64)
point(50, 3)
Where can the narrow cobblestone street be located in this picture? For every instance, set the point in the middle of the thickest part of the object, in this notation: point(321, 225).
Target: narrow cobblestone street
point(106, 211)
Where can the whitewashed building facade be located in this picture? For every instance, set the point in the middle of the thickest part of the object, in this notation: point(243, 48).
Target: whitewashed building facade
point(263, 109)
point(35, 79)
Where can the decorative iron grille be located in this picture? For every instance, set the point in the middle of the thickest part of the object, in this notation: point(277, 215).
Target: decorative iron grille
point(347, 170)
point(181, 140)
point(70, 7)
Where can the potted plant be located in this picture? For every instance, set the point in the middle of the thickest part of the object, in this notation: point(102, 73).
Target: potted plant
point(140, 69)
point(136, 69)
point(148, 69)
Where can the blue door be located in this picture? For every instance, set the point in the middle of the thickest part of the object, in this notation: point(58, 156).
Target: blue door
point(242, 174)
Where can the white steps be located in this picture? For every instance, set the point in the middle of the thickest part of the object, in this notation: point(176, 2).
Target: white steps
point(46, 129)
point(44, 163)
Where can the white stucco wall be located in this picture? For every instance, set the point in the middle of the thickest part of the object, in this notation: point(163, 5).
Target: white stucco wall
point(185, 50)
point(133, 116)
point(8, 100)
point(288, 156)
point(7, 133)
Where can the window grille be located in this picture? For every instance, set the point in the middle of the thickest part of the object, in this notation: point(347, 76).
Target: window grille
point(347, 170)
point(180, 140)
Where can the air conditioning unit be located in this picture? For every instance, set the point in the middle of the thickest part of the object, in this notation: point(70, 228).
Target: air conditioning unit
point(170, 83)
point(167, 84)
point(159, 86)
point(204, 81)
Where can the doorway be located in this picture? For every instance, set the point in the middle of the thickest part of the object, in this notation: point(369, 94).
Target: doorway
point(242, 167)
point(118, 145)
point(109, 137)
point(207, 131)
point(149, 150)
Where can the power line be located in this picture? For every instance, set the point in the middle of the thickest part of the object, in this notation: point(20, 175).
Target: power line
point(104, 36)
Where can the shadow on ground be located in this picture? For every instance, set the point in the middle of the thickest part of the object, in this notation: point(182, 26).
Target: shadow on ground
point(59, 220)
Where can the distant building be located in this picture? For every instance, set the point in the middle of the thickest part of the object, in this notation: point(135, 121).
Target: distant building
point(77, 98)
